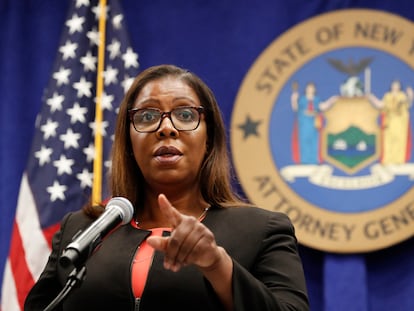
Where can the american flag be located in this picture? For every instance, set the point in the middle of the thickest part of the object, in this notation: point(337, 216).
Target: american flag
point(59, 173)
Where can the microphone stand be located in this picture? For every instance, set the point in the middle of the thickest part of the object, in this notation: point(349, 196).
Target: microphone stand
point(77, 256)
point(74, 280)
point(77, 275)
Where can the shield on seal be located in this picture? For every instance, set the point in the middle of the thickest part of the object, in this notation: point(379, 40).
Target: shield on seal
point(351, 135)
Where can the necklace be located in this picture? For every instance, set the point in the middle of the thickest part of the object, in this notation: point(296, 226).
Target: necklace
point(200, 218)
point(203, 214)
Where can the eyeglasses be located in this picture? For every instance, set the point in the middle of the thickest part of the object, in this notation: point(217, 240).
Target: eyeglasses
point(147, 120)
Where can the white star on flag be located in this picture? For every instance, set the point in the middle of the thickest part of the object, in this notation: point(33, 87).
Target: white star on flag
point(57, 191)
point(49, 129)
point(75, 24)
point(62, 76)
point(77, 113)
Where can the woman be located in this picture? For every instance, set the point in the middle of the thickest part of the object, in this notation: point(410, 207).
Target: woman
point(192, 245)
point(308, 124)
point(395, 123)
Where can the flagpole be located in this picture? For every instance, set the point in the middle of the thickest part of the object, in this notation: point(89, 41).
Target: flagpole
point(97, 163)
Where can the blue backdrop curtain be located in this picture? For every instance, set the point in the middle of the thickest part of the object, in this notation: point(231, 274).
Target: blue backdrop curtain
point(219, 40)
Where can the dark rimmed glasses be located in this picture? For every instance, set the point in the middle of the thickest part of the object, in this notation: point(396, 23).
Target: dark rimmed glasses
point(147, 120)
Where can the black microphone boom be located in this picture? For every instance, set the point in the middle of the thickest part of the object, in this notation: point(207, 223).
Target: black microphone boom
point(117, 210)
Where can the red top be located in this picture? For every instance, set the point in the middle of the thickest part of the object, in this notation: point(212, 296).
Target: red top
point(142, 262)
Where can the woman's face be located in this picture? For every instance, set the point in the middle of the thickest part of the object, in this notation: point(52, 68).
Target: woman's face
point(310, 90)
point(168, 156)
point(395, 86)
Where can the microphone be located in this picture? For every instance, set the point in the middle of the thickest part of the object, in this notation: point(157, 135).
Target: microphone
point(117, 210)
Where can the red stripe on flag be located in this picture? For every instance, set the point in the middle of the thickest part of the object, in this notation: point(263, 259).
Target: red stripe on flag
point(21, 273)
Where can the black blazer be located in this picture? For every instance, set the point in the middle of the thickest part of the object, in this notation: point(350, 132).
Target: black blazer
point(267, 271)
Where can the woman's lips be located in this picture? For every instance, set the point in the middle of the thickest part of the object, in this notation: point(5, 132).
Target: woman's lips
point(167, 154)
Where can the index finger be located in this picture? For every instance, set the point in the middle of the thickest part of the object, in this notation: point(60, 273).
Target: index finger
point(166, 207)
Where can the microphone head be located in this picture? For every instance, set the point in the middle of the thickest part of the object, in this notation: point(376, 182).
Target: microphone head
point(124, 207)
